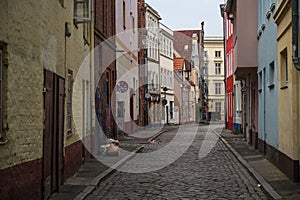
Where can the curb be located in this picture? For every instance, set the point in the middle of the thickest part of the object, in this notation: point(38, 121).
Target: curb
point(266, 186)
point(159, 133)
point(96, 181)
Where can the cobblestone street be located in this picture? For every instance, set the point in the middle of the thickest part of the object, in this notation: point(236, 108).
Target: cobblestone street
point(204, 174)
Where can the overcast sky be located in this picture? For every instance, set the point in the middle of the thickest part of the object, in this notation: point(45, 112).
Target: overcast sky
point(188, 14)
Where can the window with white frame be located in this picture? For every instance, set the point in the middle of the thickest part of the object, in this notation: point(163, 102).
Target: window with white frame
point(218, 54)
point(218, 107)
point(217, 88)
point(217, 68)
point(83, 11)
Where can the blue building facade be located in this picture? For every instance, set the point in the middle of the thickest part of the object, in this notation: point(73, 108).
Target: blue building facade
point(267, 78)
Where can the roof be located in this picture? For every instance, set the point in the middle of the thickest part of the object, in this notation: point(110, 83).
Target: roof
point(178, 63)
point(183, 39)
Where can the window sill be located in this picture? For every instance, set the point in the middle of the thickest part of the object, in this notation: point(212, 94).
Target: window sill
point(284, 87)
point(271, 86)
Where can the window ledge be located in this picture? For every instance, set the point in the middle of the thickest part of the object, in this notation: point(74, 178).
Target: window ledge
point(271, 86)
point(284, 87)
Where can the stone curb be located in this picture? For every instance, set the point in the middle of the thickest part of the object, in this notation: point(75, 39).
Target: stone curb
point(159, 133)
point(266, 186)
point(96, 181)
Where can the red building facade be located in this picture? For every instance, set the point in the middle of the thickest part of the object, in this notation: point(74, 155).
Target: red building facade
point(229, 38)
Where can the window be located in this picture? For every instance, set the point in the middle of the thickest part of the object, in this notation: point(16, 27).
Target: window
point(218, 88)
point(133, 23)
point(69, 103)
point(83, 11)
point(171, 79)
point(171, 109)
point(271, 75)
point(87, 107)
point(124, 15)
point(205, 53)
point(260, 81)
point(217, 68)
point(86, 33)
point(284, 68)
point(218, 107)
point(218, 54)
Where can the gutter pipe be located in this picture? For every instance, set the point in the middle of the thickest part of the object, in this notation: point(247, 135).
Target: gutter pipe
point(295, 29)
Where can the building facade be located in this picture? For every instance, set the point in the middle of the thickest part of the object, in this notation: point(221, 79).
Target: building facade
point(188, 45)
point(214, 50)
point(246, 62)
point(166, 74)
point(288, 88)
point(153, 66)
point(184, 93)
point(105, 67)
point(267, 79)
point(42, 81)
point(127, 83)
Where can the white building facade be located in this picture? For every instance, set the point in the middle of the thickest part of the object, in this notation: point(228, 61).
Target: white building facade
point(127, 101)
point(166, 74)
point(153, 66)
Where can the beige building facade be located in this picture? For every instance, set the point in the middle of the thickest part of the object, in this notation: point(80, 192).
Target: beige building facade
point(47, 95)
point(214, 52)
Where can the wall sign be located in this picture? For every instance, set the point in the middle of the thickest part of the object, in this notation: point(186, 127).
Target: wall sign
point(122, 86)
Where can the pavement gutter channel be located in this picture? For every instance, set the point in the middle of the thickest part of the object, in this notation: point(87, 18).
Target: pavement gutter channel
point(96, 181)
point(266, 186)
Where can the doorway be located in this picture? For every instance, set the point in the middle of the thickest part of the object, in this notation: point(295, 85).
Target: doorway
point(53, 138)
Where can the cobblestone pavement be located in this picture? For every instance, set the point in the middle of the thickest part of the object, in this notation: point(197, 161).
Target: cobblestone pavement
point(214, 174)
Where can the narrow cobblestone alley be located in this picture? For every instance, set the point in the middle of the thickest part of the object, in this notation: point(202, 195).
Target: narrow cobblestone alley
point(218, 175)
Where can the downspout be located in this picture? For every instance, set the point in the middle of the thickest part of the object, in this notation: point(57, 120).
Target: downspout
point(295, 28)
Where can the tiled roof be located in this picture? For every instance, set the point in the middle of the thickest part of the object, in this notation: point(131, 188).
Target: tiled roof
point(178, 63)
point(184, 38)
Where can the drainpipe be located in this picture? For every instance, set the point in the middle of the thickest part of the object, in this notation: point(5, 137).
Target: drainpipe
point(295, 27)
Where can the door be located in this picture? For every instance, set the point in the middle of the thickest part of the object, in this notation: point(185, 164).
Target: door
point(131, 109)
point(53, 139)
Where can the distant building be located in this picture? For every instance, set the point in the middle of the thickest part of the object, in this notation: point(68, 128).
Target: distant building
point(188, 46)
point(166, 74)
point(214, 51)
point(153, 66)
point(184, 93)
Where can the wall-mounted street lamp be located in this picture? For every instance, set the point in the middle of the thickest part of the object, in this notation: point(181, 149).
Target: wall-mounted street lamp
point(67, 29)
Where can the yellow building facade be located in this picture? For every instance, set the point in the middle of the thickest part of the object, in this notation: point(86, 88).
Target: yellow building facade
point(40, 41)
point(288, 79)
